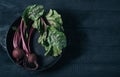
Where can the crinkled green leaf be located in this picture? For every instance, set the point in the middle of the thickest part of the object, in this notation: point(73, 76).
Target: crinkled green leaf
point(56, 37)
point(54, 19)
point(36, 24)
point(57, 51)
point(42, 38)
point(32, 12)
point(57, 40)
point(48, 49)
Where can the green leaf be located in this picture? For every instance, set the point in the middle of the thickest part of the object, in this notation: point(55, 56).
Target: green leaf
point(33, 12)
point(57, 40)
point(36, 24)
point(54, 19)
point(50, 13)
point(42, 38)
point(48, 49)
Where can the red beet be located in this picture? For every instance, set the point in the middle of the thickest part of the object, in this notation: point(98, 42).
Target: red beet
point(31, 58)
point(22, 28)
point(17, 54)
point(17, 51)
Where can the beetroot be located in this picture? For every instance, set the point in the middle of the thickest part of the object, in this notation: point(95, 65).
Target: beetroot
point(17, 51)
point(17, 54)
point(24, 52)
point(32, 59)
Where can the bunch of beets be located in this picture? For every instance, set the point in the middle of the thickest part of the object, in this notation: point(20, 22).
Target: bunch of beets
point(21, 52)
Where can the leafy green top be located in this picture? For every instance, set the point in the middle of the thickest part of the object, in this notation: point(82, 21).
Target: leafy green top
point(51, 34)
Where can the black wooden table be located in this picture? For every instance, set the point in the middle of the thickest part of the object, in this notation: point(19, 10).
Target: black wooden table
point(93, 32)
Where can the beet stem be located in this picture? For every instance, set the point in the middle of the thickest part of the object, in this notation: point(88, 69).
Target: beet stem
point(43, 21)
point(16, 38)
point(23, 41)
point(30, 33)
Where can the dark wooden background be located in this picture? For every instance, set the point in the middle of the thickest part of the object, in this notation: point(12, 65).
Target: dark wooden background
point(93, 32)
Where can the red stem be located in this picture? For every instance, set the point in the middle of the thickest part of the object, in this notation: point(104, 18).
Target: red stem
point(30, 33)
point(22, 28)
point(16, 38)
point(45, 25)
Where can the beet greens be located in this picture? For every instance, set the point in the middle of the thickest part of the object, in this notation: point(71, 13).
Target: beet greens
point(47, 24)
